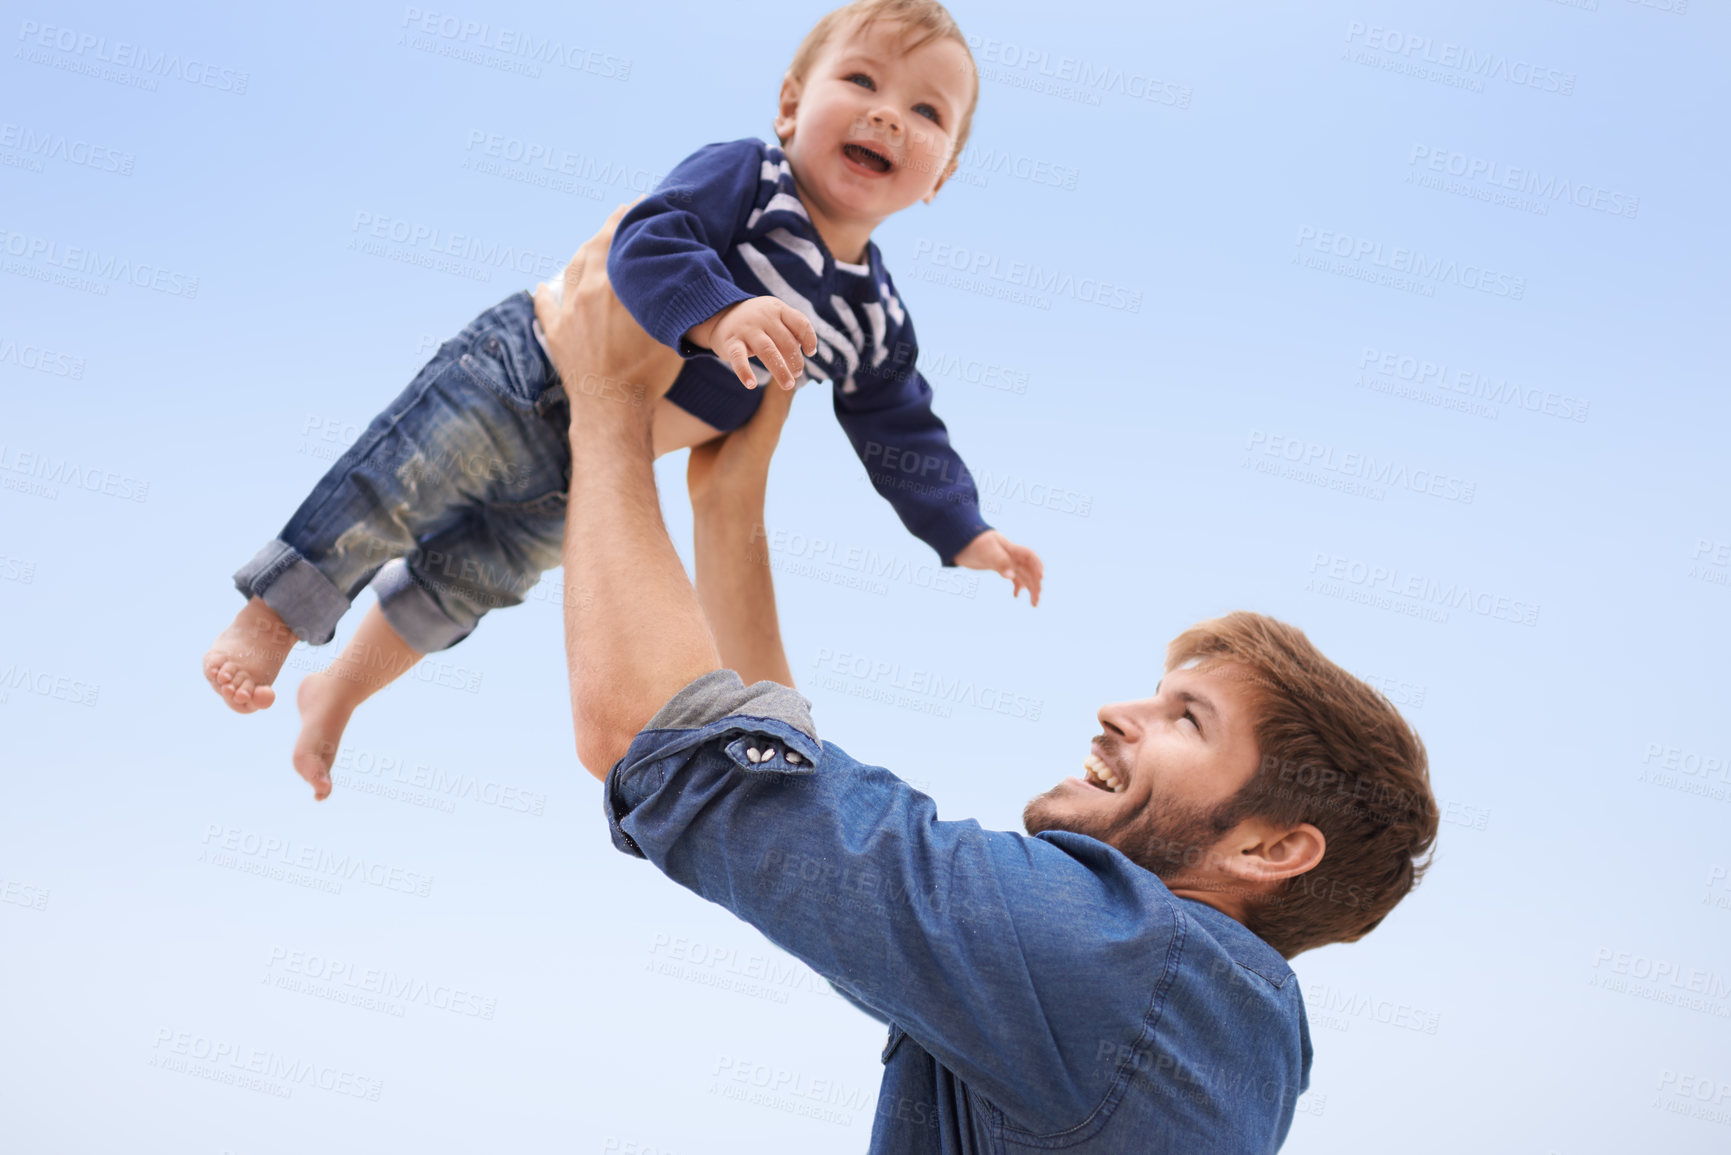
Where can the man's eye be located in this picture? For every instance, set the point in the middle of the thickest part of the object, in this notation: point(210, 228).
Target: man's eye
point(862, 80)
point(927, 111)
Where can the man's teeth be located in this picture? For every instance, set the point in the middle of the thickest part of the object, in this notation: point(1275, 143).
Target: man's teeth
point(1099, 772)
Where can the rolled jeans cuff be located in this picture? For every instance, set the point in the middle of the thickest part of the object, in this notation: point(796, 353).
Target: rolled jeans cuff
point(413, 612)
point(302, 597)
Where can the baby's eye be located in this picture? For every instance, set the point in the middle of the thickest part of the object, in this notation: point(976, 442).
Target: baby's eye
point(928, 112)
point(862, 80)
point(1192, 719)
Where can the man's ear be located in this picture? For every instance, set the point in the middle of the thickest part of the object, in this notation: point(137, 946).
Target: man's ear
point(1260, 853)
point(787, 107)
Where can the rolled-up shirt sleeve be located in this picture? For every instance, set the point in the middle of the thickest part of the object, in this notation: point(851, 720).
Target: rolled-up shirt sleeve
point(986, 947)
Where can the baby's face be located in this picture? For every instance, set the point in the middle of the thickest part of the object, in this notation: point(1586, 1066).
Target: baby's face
point(874, 127)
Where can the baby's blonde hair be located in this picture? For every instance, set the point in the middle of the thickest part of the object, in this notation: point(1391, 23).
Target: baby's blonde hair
point(927, 20)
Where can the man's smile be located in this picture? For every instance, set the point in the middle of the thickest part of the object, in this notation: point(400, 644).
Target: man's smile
point(1102, 775)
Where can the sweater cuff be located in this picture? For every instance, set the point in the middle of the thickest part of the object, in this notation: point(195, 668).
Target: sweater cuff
point(952, 534)
point(696, 303)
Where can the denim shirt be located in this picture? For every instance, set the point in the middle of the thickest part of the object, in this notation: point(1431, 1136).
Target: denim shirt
point(1041, 993)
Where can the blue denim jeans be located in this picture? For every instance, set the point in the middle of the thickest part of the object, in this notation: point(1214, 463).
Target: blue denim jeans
point(454, 496)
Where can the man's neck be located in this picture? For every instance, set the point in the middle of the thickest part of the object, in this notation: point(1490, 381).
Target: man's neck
point(1231, 905)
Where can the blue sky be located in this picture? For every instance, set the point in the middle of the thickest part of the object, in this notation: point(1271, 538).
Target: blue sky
point(1410, 343)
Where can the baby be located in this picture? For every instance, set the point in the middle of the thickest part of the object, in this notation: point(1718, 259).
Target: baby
point(454, 496)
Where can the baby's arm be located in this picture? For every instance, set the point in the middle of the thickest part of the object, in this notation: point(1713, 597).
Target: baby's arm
point(767, 328)
point(666, 267)
point(993, 551)
point(906, 450)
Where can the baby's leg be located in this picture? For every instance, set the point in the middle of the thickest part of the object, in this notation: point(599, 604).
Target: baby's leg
point(434, 597)
point(434, 453)
point(374, 658)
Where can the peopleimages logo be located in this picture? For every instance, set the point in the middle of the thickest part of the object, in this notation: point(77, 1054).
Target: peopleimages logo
point(1547, 187)
point(1022, 275)
point(173, 1049)
point(1339, 576)
point(90, 262)
point(455, 36)
point(1411, 263)
point(79, 49)
point(1422, 372)
point(1469, 63)
point(933, 684)
point(1071, 77)
point(1360, 466)
point(40, 146)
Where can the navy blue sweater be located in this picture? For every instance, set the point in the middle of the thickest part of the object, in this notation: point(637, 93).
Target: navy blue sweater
point(727, 225)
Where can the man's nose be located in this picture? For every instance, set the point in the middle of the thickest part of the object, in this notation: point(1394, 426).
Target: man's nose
point(1118, 719)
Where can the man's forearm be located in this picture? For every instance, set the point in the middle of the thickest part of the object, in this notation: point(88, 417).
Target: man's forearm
point(638, 634)
point(737, 590)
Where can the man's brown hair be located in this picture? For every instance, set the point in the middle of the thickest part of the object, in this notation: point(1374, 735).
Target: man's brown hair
point(924, 20)
point(1334, 753)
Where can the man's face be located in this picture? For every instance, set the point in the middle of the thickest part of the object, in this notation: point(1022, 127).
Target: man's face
point(875, 123)
point(1160, 773)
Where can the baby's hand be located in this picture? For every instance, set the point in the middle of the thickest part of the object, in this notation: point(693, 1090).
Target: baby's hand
point(993, 551)
point(763, 327)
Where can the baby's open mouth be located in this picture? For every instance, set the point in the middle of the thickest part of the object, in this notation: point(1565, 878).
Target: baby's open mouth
point(860, 154)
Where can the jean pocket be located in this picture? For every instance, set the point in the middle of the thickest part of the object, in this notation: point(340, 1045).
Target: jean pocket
point(496, 362)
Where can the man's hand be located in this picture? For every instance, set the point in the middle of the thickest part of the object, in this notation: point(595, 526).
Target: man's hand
point(774, 332)
point(729, 480)
point(993, 551)
point(608, 364)
point(730, 474)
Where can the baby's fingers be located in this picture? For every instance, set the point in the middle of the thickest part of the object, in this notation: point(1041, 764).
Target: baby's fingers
point(763, 345)
point(788, 344)
point(740, 358)
point(1032, 580)
point(800, 327)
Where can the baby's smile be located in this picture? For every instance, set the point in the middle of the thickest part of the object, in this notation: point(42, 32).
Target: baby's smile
point(868, 158)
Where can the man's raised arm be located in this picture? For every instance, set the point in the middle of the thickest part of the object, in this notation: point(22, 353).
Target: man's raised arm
point(729, 480)
point(637, 635)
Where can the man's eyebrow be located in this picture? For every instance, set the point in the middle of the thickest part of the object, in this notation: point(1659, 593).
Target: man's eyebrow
point(1200, 701)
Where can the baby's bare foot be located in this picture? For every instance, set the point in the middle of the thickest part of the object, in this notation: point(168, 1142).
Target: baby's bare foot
point(245, 658)
point(325, 705)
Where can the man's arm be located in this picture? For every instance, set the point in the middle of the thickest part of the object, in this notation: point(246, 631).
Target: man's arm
point(1019, 963)
point(643, 636)
point(729, 480)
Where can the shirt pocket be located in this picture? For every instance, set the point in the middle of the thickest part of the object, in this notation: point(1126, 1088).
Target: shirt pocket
point(894, 1041)
point(761, 752)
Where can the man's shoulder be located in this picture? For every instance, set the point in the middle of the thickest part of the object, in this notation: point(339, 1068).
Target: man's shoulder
point(1210, 938)
point(1230, 938)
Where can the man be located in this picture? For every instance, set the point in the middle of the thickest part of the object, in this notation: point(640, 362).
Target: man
point(1115, 980)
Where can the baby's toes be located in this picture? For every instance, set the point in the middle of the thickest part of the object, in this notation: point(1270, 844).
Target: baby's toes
point(263, 696)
